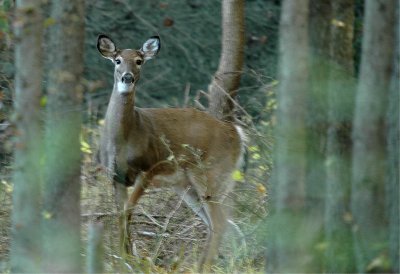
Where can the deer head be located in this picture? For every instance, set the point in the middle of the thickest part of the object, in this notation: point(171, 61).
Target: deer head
point(128, 62)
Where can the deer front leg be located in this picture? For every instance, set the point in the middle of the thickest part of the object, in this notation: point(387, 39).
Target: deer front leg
point(141, 183)
point(126, 217)
point(121, 196)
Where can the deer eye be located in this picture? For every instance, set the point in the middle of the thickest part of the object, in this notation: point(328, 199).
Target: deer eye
point(138, 62)
point(117, 61)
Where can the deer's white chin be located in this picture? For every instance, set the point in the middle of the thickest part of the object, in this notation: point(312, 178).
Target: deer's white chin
point(125, 88)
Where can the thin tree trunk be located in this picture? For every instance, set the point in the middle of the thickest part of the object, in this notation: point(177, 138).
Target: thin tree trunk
point(25, 233)
point(393, 150)
point(226, 80)
point(63, 124)
point(286, 253)
point(95, 253)
point(339, 255)
point(369, 153)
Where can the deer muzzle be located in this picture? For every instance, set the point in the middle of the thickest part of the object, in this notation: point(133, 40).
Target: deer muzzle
point(127, 78)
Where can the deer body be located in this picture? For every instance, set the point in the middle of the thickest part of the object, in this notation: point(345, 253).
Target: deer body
point(185, 149)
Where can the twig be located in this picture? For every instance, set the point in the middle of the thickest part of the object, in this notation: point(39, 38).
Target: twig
point(197, 99)
point(186, 95)
point(188, 228)
point(151, 218)
point(166, 223)
point(199, 105)
point(252, 126)
point(153, 234)
point(99, 215)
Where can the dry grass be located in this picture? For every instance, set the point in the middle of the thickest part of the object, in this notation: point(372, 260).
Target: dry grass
point(168, 236)
point(5, 221)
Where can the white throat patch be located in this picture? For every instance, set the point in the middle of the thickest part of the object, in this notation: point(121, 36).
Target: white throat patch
point(125, 88)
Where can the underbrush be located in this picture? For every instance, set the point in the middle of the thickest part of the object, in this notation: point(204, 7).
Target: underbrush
point(168, 235)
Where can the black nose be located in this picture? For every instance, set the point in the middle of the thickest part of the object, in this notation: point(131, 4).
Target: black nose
point(127, 78)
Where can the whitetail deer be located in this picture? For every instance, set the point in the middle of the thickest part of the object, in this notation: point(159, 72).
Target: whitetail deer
point(182, 148)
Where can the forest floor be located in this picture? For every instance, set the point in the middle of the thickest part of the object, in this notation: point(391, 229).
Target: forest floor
point(168, 236)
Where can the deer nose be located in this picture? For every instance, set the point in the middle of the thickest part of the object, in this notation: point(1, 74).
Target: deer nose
point(127, 78)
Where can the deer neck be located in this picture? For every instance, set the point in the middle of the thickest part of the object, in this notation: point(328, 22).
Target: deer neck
point(121, 114)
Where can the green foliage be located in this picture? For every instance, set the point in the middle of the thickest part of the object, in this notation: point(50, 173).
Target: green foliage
point(5, 8)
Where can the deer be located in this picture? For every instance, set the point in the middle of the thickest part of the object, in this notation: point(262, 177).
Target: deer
point(184, 149)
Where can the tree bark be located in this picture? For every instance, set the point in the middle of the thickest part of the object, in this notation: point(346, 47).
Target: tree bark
point(369, 153)
point(226, 80)
point(25, 235)
point(341, 90)
point(63, 124)
point(290, 155)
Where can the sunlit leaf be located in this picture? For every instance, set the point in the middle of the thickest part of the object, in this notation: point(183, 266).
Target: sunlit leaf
point(380, 262)
point(43, 101)
point(46, 215)
point(321, 246)
point(264, 168)
point(261, 189)
point(85, 147)
point(238, 176)
point(347, 217)
point(49, 22)
point(171, 157)
point(253, 149)
point(8, 187)
point(338, 23)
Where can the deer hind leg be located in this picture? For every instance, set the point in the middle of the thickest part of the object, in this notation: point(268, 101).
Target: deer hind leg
point(218, 220)
point(211, 186)
point(213, 214)
point(193, 200)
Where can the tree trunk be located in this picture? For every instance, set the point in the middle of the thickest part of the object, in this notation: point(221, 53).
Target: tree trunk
point(290, 155)
point(226, 80)
point(320, 26)
point(316, 115)
point(294, 81)
point(339, 255)
point(393, 148)
point(369, 153)
point(62, 176)
point(25, 242)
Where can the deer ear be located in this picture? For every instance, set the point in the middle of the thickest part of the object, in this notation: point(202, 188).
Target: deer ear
point(151, 47)
point(106, 46)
